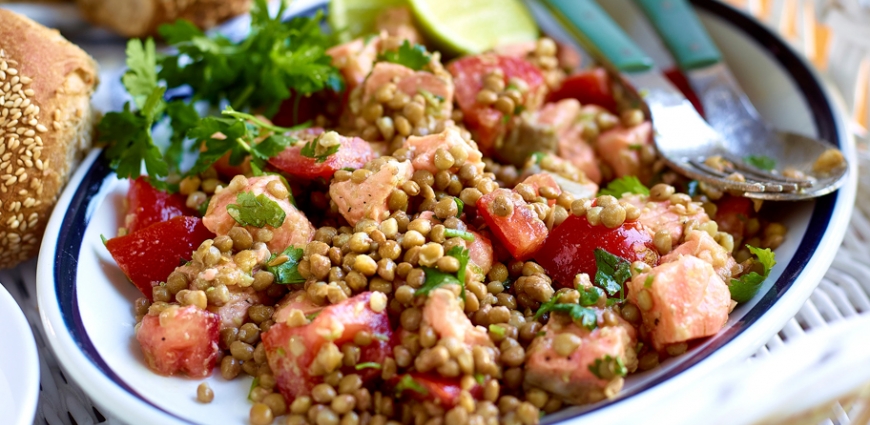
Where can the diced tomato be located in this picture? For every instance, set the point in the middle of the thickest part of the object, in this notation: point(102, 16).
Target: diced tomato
point(180, 340)
point(299, 109)
point(468, 75)
point(569, 249)
point(521, 232)
point(591, 86)
point(149, 255)
point(442, 391)
point(292, 351)
point(296, 300)
point(732, 212)
point(147, 205)
point(539, 180)
point(353, 152)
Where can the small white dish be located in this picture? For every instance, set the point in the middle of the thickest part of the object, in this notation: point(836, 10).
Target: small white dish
point(19, 364)
point(86, 302)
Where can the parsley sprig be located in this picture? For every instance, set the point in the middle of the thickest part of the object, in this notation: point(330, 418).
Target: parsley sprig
point(287, 272)
point(762, 162)
point(627, 184)
point(256, 210)
point(744, 288)
point(309, 150)
point(612, 272)
point(436, 278)
point(583, 316)
point(608, 367)
point(412, 56)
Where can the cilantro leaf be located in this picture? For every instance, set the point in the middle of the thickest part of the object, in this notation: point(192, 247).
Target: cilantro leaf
point(415, 57)
point(140, 79)
point(253, 385)
point(286, 273)
point(129, 142)
point(453, 233)
point(627, 184)
point(203, 207)
point(744, 288)
point(497, 330)
point(408, 383)
point(590, 296)
point(612, 271)
point(256, 210)
point(309, 150)
point(182, 118)
point(585, 317)
point(460, 206)
point(608, 367)
point(436, 278)
point(761, 162)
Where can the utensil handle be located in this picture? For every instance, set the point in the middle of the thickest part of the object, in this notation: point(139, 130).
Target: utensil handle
point(599, 33)
point(683, 33)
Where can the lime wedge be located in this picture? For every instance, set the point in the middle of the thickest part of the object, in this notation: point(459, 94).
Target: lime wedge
point(464, 26)
point(355, 18)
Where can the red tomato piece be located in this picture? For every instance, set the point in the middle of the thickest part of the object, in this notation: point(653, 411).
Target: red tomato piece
point(353, 152)
point(591, 86)
point(468, 74)
point(539, 180)
point(569, 249)
point(442, 391)
point(292, 351)
point(147, 205)
point(149, 255)
point(521, 232)
point(180, 340)
point(732, 212)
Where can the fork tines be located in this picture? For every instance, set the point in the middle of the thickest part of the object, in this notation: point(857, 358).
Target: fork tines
point(755, 179)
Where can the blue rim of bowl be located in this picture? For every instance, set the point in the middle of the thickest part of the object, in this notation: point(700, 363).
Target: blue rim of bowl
point(71, 235)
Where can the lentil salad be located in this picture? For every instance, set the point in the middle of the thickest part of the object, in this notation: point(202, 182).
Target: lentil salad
point(436, 247)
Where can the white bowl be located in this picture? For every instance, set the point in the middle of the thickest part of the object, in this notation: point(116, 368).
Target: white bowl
point(19, 364)
point(86, 302)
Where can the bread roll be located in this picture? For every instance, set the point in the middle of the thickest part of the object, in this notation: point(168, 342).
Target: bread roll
point(138, 18)
point(46, 123)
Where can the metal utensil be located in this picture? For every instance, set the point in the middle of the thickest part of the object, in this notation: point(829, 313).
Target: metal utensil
point(729, 111)
point(682, 137)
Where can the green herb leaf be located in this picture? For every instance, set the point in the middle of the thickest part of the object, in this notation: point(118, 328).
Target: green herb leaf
point(761, 162)
point(313, 316)
point(460, 206)
point(129, 143)
point(692, 188)
point(590, 296)
point(454, 233)
point(612, 272)
point(649, 281)
point(310, 151)
point(412, 56)
point(479, 378)
point(613, 365)
point(744, 288)
point(258, 73)
point(140, 79)
point(538, 156)
point(103, 238)
point(203, 207)
point(254, 384)
point(408, 383)
point(627, 184)
point(436, 278)
point(497, 330)
point(368, 365)
point(585, 317)
point(287, 273)
point(182, 118)
point(381, 337)
point(256, 210)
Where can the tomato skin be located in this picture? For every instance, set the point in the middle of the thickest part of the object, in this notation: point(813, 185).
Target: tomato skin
point(485, 121)
point(292, 351)
point(353, 153)
point(591, 86)
point(522, 232)
point(732, 212)
point(149, 255)
point(569, 249)
point(148, 205)
point(442, 391)
point(185, 340)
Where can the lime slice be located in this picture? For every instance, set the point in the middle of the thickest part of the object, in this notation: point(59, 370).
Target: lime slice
point(355, 18)
point(464, 26)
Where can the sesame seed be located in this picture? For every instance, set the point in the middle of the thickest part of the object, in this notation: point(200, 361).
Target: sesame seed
point(12, 71)
point(29, 92)
point(41, 128)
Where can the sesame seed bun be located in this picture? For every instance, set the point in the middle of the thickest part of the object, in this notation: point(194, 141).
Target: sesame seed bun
point(138, 18)
point(46, 124)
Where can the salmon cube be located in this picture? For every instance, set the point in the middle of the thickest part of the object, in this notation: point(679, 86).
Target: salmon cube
point(700, 244)
point(296, 300)
point(573, 148)
point(680, 300)
point(518, 228)
point(296, 230)
point(353, 152)
point(620, 149)
point(447, 318)
point(424, 148)
point(439, 88)
point(552, 364)
point(355, 59)
point(180, 340)
point(665, 216)
point(368, 199)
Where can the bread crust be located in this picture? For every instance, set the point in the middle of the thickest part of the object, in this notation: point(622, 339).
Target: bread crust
point(46, 123)
point(138, 18)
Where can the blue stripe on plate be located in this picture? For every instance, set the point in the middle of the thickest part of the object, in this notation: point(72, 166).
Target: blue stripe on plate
point(71, 235)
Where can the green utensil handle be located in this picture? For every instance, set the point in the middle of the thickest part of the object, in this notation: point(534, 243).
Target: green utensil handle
point(598, 32)
point(683, 33)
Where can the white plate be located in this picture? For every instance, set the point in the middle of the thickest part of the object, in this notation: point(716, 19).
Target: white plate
point(86, 302)
point(19, 364)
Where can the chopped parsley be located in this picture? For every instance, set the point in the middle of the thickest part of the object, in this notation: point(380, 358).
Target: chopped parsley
point(612, 272)
point(744, 288)
point(460, 206)
point(408, 383)
point(454, 233)
point(627, 184)
point(309, 150)
point(479, 378)
point(497, 330)
point(436, 278)
point(368, 365)
point(614, 364)
point(253, 385)
point(256, 210)
point(287, 273)
point(538, 156)
point(649, 281)
point(692, 188)
point(585, 317)
point(412, 56)
point(590, 296)
point(761, 162)
point(103, 238)
point(203, 207)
